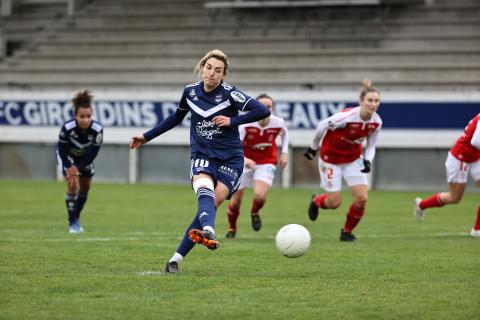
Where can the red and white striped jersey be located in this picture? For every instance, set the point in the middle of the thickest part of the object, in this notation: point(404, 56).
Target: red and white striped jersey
point(259, 142)
point(343, 135)
point(467, 147)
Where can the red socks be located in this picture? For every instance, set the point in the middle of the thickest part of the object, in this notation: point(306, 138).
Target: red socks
point(477, 222)
point(432, 202)
point(256, 206)
point(232, 217)
point(319, 201)
point(354, 216)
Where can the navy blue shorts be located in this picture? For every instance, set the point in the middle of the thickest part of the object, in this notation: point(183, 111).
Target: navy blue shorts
point(229, 171)
point(86, 171)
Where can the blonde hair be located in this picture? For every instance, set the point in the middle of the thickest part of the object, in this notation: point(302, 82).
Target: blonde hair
point(217, 54)
point(367, 87)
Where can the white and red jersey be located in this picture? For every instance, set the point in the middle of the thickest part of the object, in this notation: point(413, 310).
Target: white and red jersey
point(259, 142)
point(343, 135)
point(467, 147)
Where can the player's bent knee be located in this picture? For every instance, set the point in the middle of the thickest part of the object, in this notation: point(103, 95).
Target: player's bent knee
point(203, 183)
point(334, 205)
point(261, 197)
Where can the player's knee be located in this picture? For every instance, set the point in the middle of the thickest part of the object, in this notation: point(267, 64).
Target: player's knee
point(334, 202)
point(260, 197)
point(203, 183)
point(454, 199)
point(235, 203)
point(335, 205)
point(361, 201)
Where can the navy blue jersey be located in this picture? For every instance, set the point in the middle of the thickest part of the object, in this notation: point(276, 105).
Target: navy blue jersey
point(205, 136)
point(77, 147)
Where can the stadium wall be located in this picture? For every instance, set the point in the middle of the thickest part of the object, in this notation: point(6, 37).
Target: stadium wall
point(418, 129)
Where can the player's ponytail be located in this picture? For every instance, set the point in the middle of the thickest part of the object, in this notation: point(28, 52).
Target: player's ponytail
point(82, 99)
point(217, 54)
point(367, 87)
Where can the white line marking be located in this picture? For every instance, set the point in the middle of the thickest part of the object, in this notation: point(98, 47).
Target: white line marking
point(149, 273)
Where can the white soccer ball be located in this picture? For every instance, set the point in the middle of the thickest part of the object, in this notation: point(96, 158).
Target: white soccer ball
point(293, 240)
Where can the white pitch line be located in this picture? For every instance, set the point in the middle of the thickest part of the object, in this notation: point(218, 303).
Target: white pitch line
point(149, 273)
point(247, 237)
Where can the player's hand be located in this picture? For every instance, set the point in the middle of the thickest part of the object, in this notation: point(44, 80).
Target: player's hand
point(367, 166)
point(249, 163)
point(72, 177)
point(221, 121)
point(72, 172)
point(137, 141)
point(282, 162)
point(310, 153)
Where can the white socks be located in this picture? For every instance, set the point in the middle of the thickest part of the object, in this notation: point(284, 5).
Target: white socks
point(177, 257)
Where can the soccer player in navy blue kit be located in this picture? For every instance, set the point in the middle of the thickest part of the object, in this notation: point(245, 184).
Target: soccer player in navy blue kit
point(216, 149)
point(79, 141)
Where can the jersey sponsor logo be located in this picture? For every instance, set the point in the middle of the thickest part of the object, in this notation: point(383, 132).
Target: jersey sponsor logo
point(237, 96)
point(262, 145)
point(356, 141)
point(203, 129)
point(229, 171)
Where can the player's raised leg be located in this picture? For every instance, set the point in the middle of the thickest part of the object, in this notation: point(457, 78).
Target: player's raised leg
point(206, 213)
point(327, 200)
point(452, 196)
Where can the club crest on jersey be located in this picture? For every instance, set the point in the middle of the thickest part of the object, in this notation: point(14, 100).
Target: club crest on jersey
point(99, 138)
point(237, 96)
point(218, 98)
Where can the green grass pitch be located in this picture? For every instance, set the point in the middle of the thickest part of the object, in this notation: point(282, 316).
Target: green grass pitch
point(398, 269)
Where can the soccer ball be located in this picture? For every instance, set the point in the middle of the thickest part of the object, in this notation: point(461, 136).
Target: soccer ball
point(293, 240)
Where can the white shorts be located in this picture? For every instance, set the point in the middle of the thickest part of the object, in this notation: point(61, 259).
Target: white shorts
point(331, 175)
point(457, 171)
point(263, 172)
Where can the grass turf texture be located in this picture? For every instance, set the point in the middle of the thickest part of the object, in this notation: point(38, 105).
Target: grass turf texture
point(398, 268)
